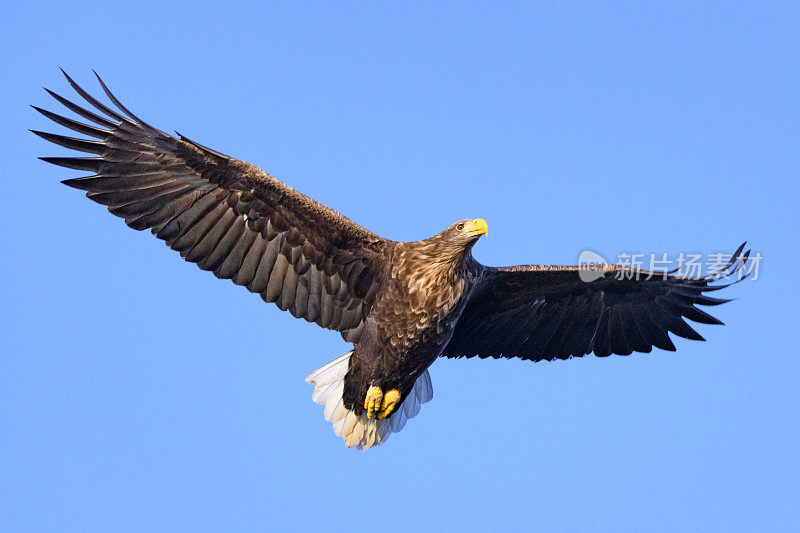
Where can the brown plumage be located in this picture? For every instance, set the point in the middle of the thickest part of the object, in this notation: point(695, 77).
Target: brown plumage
point(402, 304)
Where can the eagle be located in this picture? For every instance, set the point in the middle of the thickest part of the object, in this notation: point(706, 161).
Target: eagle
point(402, 305)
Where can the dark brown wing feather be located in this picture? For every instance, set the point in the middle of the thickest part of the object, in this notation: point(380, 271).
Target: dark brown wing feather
point(540, 312)
point(226, 215)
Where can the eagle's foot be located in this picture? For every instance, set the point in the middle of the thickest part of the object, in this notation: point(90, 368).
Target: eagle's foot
point(390, 399)
point(372, 403)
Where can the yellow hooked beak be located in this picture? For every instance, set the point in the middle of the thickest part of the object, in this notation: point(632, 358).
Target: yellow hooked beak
point(477, 226)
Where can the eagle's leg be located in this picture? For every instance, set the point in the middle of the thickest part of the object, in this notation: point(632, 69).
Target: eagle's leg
point(390, 399)
point(372, 403)
point(381, 403)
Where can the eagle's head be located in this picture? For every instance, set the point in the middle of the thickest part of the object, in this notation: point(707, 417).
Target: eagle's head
point(461, 235)
point(466, 231)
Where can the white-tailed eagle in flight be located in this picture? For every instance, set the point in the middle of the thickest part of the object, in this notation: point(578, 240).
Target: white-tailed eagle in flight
point(401, 304)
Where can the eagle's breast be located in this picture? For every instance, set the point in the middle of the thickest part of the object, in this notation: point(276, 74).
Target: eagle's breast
point(421, 301)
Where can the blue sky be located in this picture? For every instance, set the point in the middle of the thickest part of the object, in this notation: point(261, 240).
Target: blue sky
point(139, 392)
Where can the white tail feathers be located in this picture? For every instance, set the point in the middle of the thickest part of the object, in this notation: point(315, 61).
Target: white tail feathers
point(356, 430)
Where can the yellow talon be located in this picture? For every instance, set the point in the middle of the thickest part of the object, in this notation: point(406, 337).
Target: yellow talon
point(388, 404)
point(372, 403)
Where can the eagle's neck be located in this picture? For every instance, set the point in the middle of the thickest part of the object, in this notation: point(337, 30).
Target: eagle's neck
point(433, 274)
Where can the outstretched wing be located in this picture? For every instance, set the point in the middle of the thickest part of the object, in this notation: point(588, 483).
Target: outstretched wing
point(541, 312)
point(226, 215)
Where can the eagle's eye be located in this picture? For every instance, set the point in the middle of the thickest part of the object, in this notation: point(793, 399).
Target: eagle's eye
point(460, 226)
